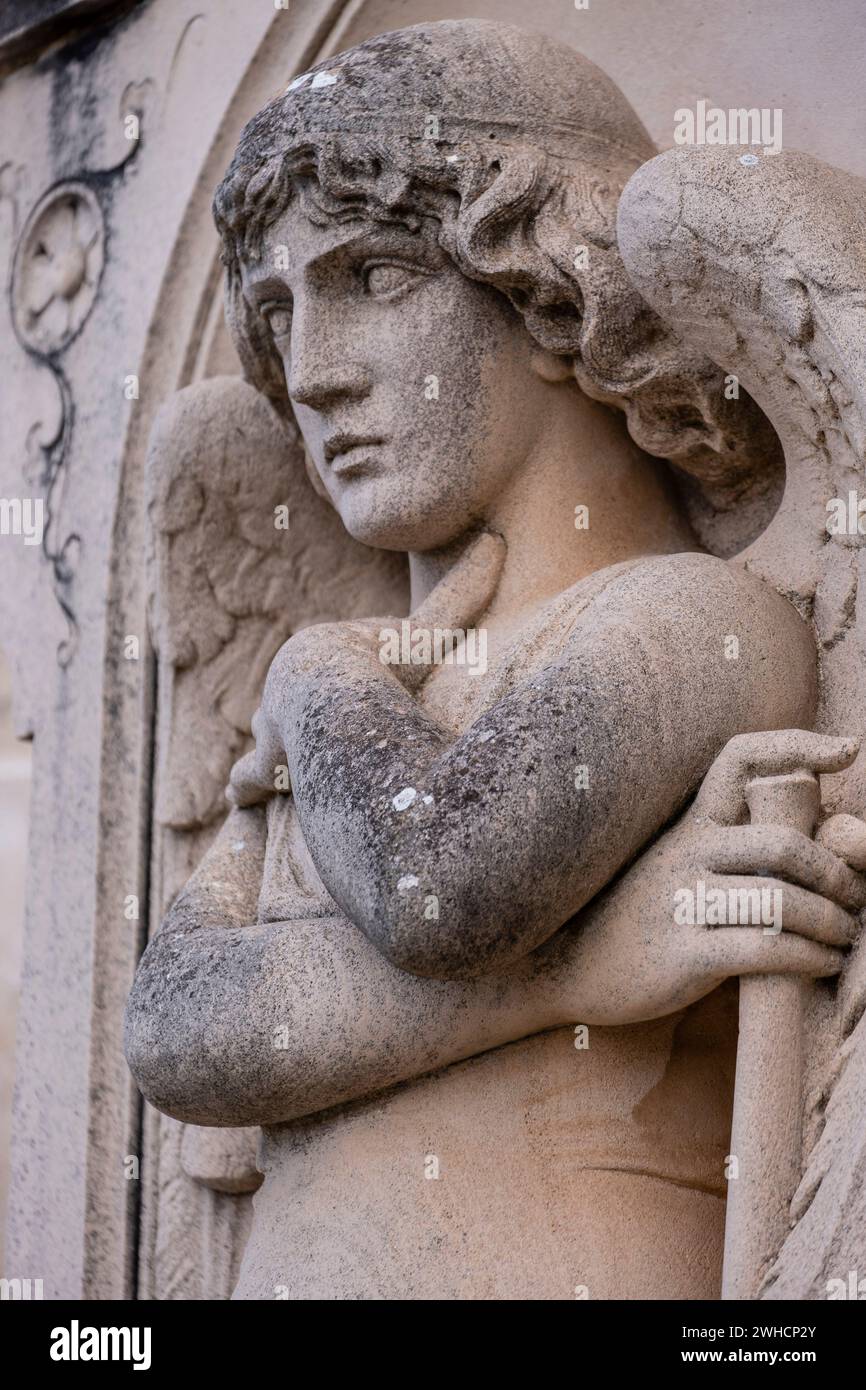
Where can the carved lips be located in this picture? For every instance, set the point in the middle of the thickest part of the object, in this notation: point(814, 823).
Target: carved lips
point(347, 453)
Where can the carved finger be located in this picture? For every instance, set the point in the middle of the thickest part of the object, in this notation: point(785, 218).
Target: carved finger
point(779, 907)
point(779, 850)
point(243, 788)
point(468, 587)
point(845, 836)
point(257, 776)
point(738, 951)
point(722, 793)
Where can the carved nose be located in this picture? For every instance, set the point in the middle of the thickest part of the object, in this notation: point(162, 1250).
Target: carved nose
point(316, 380)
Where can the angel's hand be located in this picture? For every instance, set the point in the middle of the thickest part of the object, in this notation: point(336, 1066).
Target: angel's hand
point(263, 772)
point(330, 651)
point(664, 936)
point(363, 647)
point(335, 651)
point(342, 653)
point(455, 603)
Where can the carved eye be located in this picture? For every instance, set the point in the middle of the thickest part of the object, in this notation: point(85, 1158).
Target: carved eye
point(279, 319)
point(386, 280)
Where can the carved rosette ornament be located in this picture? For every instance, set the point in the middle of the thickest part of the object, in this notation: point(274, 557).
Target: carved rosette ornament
point(58, 265)
point(56, 275)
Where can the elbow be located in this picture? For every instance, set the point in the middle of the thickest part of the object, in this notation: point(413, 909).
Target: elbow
point(152, 1066)
point(144, 1031)
point(197, 1079)
point(445, 936)
point(190, 1061)
point(161, 1054)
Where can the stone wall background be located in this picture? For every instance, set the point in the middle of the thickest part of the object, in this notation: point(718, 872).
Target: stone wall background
point(14, 810)
point(193, 74)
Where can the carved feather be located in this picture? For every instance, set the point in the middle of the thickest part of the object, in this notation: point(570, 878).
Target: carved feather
point(227, 586)
point(761, 264)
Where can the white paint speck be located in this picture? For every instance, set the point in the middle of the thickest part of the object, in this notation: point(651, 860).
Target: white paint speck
point(238, 845)
point(323, 79)
point(486, 736)
point(404, 798)
point(298, 82)
point(406, 882)
point(428, 800)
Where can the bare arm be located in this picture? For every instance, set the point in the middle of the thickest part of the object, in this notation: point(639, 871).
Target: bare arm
point(230, 1024)
point(258, 1025)
point(237, 1024)
point(495, 826)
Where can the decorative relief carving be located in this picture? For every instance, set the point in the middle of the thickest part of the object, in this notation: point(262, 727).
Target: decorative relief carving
point(58, 267)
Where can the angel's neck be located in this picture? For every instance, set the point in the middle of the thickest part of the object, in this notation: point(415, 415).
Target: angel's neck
point(584, 499)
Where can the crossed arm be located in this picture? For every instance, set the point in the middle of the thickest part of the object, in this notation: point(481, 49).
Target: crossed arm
point(511, 828)
point(236, 1024)
point(232, 1023)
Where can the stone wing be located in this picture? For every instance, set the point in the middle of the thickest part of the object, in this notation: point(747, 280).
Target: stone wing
point(760, 262)
point(242, 552)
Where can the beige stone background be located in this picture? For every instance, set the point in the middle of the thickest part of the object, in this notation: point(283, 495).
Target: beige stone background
point(14, 807)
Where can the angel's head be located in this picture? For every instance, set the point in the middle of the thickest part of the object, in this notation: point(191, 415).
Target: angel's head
point(420, 243)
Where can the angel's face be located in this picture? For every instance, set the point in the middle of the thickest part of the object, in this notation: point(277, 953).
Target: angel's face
point(414, 387)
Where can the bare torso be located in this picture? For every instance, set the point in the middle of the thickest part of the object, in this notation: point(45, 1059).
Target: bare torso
point(558, 1146)
point(261, 1002)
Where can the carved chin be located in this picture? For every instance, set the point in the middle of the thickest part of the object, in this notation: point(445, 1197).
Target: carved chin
point(385, 522)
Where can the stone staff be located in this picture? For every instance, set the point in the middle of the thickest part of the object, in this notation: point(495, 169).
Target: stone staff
point(766, 1133)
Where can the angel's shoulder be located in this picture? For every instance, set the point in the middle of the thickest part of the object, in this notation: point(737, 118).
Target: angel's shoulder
point(684, 590)
point(693, 609)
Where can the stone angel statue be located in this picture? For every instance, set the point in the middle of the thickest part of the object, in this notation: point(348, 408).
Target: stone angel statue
point(592, 403)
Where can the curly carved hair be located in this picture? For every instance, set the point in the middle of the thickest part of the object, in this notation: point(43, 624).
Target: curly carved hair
point(514, 209)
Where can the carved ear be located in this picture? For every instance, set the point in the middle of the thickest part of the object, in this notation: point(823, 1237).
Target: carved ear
point(552, 367)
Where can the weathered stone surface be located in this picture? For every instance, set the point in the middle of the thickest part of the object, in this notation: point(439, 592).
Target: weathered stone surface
point(425, 860)
point(304, 982)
